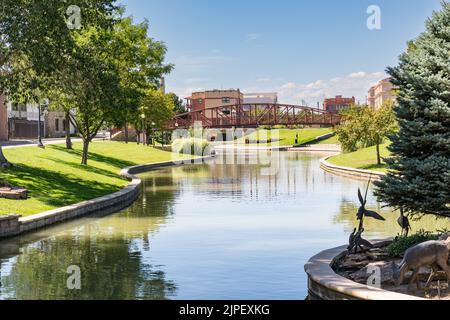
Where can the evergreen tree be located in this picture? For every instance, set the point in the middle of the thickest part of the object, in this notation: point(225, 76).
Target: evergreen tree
point(419, 178)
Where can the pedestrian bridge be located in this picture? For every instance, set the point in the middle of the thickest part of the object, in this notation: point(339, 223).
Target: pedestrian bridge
point(254, 115)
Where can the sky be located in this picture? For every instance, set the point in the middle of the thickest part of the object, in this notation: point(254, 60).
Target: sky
point(305, 50)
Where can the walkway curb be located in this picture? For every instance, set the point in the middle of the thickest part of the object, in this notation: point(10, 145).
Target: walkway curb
point(349, 172)
point(325, 284)
point(107, 204)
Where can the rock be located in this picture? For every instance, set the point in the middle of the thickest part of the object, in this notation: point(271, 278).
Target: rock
point(387, 273)
point(352, 265)
point(17, 193)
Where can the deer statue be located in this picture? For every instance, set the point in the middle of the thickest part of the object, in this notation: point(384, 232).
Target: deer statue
point(403, 222)
point(430, 253)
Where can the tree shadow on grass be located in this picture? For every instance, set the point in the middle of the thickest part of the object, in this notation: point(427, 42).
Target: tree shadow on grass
point(374, 167)
point(118, 163)
point(88, 168)
point(56, 189)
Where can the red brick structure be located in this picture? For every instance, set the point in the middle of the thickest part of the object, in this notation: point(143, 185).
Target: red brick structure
point(3, 119)
point(334, 105)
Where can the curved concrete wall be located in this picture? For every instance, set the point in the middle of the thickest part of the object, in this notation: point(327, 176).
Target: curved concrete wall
point(349, 172)
point(325, 284)
point(14, 225)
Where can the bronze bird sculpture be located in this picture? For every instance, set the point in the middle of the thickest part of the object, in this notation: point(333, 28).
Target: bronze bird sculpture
point(403, 222)
point(356, 241)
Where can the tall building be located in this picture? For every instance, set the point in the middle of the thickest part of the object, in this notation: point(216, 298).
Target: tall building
point(338, 103)
point(214, 98)
point(380, 93)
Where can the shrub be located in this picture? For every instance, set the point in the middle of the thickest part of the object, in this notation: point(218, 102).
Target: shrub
point(192, 146)
point(403, 243)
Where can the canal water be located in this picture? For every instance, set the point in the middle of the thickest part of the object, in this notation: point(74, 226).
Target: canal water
point(203, 231)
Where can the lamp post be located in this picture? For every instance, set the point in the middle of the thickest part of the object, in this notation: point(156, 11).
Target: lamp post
point(40, 108)
point(153, 134)
point(143, 128)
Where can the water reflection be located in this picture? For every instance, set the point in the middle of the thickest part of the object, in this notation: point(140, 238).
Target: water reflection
point(208, 231)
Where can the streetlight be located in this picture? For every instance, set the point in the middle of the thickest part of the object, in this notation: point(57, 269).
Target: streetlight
point(41, 107)
point(153, 133)
point(143, 128)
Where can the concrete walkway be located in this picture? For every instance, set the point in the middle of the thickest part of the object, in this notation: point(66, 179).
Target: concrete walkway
point(33, 143)
point(318, 147)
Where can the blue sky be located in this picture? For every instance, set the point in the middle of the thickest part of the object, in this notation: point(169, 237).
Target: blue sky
point(302, 49)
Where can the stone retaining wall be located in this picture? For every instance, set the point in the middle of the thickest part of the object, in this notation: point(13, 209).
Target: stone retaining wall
point(325, 284)
point(14, 225)
point(349, 172)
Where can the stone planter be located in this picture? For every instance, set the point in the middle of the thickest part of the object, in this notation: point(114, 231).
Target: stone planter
point(325, 284)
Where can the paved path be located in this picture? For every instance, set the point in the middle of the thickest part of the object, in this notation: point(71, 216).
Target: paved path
point(318, 147)
point(33, 143)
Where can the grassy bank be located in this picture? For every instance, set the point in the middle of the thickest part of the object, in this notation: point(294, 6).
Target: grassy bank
point(287, 137)
point(55, 178)
point(362, 159)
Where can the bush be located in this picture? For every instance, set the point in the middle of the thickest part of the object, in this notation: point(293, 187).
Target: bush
point(192, 146)
point(403, 243)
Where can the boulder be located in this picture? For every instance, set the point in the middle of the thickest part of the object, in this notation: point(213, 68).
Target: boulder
point(387, 273)
point(17, 193)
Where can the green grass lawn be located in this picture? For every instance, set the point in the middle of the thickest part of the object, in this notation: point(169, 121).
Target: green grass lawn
point(362, 159)
point(287, 136)
point(332, 140)
point(55, 178)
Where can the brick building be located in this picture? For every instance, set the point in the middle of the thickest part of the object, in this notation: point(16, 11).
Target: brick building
point(214, 98)
point(338, 103)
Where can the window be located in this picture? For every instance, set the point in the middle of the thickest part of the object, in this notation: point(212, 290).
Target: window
point(19, 107)
point(200, 101)
point(226, 100)
point(57, 125)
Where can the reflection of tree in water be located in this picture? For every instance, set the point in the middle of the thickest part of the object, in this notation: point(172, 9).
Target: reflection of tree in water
point(109, 270)
point(109, 252)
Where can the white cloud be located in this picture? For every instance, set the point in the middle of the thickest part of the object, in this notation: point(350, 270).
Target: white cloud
point(356, 84)
point(288, 86)
point(266, 79)
point(253, 37)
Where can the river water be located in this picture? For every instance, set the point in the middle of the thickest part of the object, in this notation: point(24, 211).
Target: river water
point(202, 231)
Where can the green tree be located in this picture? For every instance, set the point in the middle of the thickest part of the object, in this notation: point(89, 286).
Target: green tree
point(157, 108)
point(381, 123)
point(140, 63)
point(419, 176)
point(179, 106)
point(35, 42)
point(365, 127)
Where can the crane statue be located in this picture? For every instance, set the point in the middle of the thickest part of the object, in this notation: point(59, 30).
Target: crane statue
point(356, 240)
point(403, 222)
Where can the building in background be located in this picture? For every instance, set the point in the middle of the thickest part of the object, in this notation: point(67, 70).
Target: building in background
point(23, 122)
point(338, 103)
point(4, 136)
point(266, 98)
point(380, 93)
point(214, 98)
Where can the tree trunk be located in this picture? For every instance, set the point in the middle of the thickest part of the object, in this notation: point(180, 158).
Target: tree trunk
point(125, 131)
point(3, 161)
point(138, 137)
point(378, 154)
point(84, 158)
point(68, 138)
